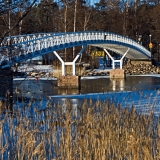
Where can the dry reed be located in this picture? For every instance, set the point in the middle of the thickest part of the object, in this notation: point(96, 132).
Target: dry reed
point(101, 131)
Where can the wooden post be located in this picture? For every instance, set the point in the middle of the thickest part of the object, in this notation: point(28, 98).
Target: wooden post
point(6, 86)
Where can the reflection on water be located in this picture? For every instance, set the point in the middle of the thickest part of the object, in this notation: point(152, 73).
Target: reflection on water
point(113, 85)
point(63, 102)
point(67, 91)
point(118, 84)
point(143, 82)
point(44, 88)
point(102, 85)
point(34, 89)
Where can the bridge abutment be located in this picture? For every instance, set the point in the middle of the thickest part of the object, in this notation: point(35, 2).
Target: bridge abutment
point(6, 87)
point(117, 73)
point(69, 82)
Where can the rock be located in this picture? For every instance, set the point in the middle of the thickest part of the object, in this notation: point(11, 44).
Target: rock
point(141, 69)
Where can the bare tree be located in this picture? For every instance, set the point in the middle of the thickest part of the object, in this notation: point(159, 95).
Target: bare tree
point(74, 23)
point(8, 8)
point(65, 22)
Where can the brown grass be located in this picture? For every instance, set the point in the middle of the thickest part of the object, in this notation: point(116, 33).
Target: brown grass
point(101, 131)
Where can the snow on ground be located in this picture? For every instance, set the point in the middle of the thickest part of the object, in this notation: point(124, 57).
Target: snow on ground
point(94, 77)
point(49, 68)
point(145, 102)
point(31, 68)
point(31, 78)
point(146, 75)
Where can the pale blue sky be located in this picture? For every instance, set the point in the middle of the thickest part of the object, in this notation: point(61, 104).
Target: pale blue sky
point(93, 1)
point(89, 1)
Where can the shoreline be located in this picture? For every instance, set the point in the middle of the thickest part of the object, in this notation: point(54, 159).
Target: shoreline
point(82, 77)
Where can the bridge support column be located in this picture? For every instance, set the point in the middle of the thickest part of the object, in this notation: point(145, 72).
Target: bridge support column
point(113, 65)
point(72, 81)
point(117, 73)
point(74, 68)
point(78, 55)
point(73, 64)
point(63, 65)
point(6, 87)
point(120, 61)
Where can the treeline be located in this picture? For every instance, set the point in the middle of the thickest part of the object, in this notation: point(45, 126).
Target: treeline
point(137, 20)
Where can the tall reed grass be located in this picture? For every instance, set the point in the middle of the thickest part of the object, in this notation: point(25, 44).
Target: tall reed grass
point(100, 131)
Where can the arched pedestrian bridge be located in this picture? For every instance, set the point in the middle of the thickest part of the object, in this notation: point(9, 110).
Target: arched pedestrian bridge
point(16, 49)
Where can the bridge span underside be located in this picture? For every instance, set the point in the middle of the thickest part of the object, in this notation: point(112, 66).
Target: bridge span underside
point(133, 53)
point(16, 49)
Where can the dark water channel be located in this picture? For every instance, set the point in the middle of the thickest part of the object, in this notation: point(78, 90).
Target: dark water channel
point(140, 91)
point(113, 85)
point(44, 88)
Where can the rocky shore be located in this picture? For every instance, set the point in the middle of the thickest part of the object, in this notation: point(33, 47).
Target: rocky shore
point(141, 69)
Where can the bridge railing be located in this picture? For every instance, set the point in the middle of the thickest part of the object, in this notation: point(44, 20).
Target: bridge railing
point(27, 46)
point(22, 38)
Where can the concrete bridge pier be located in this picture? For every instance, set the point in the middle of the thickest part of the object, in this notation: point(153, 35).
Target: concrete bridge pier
point(117, 73)
point(72, 81)
point(6, 87)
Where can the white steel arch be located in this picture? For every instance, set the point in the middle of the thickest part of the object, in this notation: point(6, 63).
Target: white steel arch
point(20, 48)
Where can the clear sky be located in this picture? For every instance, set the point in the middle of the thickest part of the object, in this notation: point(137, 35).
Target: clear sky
point(92, 1)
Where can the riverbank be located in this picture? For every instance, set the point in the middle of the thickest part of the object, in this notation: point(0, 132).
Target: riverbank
point(42, 71)
point(84, 77)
